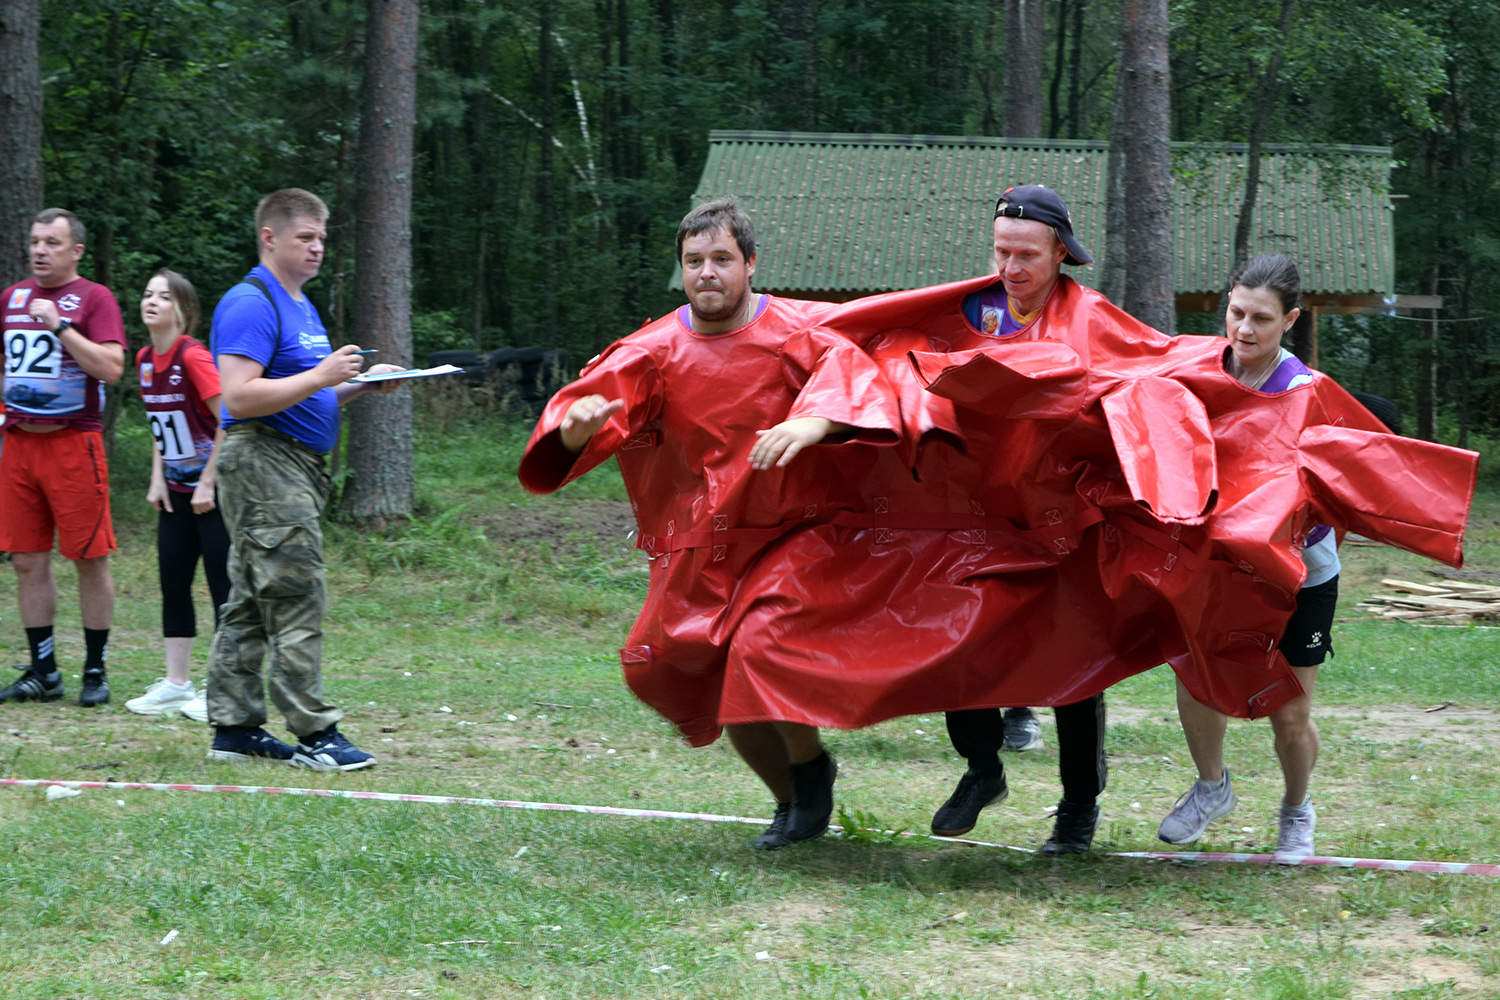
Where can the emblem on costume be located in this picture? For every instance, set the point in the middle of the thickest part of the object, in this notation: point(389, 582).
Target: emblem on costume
point(176, 377)
point(18, 298)
point(990, 321)
point(69, 302)
point(146, 370)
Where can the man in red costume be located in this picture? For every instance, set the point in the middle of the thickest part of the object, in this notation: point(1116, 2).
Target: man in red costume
point(706, 409)
point(1033, 239)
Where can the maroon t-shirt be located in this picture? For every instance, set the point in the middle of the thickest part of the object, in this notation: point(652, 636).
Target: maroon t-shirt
point(44, 384)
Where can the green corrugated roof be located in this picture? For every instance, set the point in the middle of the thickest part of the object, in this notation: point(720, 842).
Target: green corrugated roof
point(848, 214)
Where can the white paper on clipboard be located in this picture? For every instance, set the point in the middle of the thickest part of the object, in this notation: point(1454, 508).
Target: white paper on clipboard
point(408, 373)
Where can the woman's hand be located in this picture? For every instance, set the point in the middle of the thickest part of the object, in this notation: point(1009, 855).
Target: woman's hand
point(158, 496)
point(203, 497)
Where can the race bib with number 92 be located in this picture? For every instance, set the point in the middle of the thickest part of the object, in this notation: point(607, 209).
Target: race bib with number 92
point(32, 354)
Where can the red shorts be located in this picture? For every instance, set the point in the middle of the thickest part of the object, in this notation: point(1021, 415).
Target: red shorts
point(55, 482)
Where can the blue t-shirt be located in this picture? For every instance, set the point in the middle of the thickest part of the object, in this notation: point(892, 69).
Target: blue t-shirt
point(245, 324)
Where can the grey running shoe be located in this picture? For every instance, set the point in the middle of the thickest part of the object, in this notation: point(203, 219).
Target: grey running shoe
point(1295, 837)
point(1023, 731)
point(1198, 807)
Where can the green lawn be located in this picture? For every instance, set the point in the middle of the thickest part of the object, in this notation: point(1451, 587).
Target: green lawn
point(507, 609)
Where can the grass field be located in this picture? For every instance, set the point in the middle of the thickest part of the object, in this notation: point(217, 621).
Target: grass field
point(474, 652)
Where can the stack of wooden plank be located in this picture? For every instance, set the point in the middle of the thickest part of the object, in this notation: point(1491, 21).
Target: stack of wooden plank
point(1452, 602)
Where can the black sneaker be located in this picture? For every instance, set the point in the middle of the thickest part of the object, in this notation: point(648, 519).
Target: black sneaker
point(775, 835)
point(241, 743)
point(812, 798)
point(1023, 730)
point(976, 789)
point(33, 687)
point(95, 689)
point(1072, 829)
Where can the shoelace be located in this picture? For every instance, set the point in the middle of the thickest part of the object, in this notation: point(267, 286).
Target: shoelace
point(1197, 800)
point(1294, 830)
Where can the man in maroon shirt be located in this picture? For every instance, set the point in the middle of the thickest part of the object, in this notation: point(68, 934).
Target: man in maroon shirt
point(64, 339)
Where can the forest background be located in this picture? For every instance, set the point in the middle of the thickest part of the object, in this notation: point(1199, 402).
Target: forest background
point(557, 142)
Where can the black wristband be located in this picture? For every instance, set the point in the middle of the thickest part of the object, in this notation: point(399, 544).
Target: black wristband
point(62, 324)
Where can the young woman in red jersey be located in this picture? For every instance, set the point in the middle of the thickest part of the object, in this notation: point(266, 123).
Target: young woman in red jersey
point(180, 387)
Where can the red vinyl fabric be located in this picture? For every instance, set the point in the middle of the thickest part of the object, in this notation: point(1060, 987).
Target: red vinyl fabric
point(693, 403)
point(1068, 506)
point(1097, 499)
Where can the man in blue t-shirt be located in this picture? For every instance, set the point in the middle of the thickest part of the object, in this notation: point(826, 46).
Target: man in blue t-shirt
point(282, 385)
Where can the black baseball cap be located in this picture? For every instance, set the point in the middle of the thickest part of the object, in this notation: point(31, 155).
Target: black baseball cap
point(1042, 204)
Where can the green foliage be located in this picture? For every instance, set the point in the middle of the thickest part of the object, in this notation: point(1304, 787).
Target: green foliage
point(166, 120)
point(861, 827)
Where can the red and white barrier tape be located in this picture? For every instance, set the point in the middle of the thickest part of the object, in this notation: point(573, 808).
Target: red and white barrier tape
point(1317, 861)
point(1379, 864)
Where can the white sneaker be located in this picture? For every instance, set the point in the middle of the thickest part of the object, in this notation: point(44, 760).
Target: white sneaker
point(161, 698)
point(1198, 807)
point(195, 709)
point(1295, 837)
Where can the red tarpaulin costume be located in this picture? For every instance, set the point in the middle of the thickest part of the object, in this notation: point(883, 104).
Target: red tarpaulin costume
point(693, 403)
point(1092, 499)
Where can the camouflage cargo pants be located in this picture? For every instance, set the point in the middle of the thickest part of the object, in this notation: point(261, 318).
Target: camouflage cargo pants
point(272, 493)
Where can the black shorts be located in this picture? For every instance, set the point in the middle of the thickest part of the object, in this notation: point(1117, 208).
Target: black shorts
point(1307, 639)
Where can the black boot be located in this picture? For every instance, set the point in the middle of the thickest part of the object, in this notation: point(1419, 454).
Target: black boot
point(976, 789)
point(1073, 828)
point(33, 687)
point(775, 835)
point(95, 690)
point(812, 798)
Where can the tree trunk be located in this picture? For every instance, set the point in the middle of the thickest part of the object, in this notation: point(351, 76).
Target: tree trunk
point(1260, 118)
point(1427, 360)
point(1059, 64)
point(546, 197)
point(1075, 63)
point(380, 426)
point(1112, 271)
point(989, 124)
point(21, 124)
point(1150, 292)
point(1024, 42)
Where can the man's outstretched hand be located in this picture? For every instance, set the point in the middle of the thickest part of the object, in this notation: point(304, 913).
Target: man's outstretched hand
point(780, 444)
point(584, 418)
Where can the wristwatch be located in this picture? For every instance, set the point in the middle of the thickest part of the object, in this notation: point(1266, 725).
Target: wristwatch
point(62, 324)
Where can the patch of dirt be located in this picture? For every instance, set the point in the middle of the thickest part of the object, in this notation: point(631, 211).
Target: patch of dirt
point(1397, 947)
point(1380, 723)
point(605, 522)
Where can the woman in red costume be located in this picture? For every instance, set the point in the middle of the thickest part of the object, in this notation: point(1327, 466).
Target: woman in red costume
point(705, 409)
point(1263, 305)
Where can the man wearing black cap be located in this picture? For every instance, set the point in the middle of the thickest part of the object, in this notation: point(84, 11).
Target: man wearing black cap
point(1033, 239)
